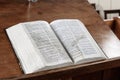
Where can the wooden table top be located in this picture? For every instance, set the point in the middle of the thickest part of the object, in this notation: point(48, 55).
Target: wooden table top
point(16, 11)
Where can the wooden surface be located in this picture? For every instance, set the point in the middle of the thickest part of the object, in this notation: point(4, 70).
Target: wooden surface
point(18, 11)
point(117, 26)
point(110, 23)
point(114, 24)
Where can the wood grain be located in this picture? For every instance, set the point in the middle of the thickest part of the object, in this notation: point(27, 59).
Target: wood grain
point(18, 11)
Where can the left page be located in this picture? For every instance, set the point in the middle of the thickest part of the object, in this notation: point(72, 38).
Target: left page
point(37, 47)
point(47, 44)
point(28, 57)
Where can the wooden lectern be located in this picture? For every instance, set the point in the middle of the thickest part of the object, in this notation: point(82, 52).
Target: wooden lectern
point(16, 11)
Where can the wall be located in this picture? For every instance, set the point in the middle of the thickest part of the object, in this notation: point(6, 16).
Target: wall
point(106, 5)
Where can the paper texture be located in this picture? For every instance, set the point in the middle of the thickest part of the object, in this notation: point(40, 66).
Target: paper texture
point(46, 43)
point(38, 45)
point(25, 51)
point(76, 39)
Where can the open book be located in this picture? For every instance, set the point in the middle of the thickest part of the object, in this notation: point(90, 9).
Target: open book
point(41, 46)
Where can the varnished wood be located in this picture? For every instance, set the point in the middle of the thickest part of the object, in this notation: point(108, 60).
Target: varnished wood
point(90, 76)
point(110, 23)
point(114, 24)
point(18, 11)
point(117, 26)
point(112, 74)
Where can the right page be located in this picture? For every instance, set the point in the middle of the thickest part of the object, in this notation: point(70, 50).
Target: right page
point(77, 40)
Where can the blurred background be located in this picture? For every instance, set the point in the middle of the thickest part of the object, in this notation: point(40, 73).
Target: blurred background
point(107, 8)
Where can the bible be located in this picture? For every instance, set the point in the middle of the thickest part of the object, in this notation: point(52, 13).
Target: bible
point(42, 46)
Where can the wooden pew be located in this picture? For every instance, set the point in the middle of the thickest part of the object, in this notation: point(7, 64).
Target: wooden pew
point(16, 11)
point(114, 24)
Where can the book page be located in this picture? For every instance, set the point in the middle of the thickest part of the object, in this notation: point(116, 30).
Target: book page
point(46, 43)
point(29, 60)
point(76, 39)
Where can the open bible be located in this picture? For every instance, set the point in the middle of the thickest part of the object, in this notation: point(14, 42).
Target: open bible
point(41, 46)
